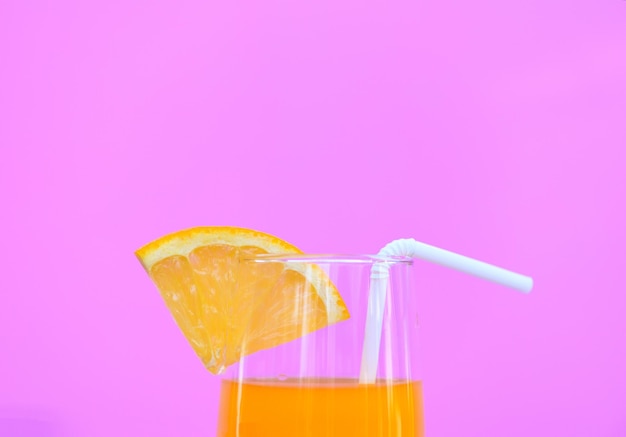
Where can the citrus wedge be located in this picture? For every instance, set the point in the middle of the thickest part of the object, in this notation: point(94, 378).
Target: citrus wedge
point(228, 307)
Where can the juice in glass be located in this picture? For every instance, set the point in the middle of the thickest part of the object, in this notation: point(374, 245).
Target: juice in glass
point(320, 407)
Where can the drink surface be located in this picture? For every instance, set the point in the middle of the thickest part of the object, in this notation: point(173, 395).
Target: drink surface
point(320, 408)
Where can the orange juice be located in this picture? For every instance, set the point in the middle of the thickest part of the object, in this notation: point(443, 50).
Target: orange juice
point(320, 408)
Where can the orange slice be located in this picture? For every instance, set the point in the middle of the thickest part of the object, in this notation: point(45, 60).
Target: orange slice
point(228, 307)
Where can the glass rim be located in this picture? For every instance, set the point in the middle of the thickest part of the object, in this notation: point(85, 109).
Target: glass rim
point(327, 258)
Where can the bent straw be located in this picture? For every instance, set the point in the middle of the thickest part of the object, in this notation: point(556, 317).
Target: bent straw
point(378, 290)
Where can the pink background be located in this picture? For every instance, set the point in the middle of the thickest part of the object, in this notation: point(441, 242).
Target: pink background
point(493, 128)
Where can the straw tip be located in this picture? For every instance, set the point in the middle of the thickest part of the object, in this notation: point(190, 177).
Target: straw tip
point(530, 283)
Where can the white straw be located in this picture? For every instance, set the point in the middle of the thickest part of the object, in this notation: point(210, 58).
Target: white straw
point(379, 281)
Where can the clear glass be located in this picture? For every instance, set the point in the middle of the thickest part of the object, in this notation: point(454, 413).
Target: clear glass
point(310, 386)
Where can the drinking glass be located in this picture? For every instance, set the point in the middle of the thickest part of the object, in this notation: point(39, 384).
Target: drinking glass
point(310, 386)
